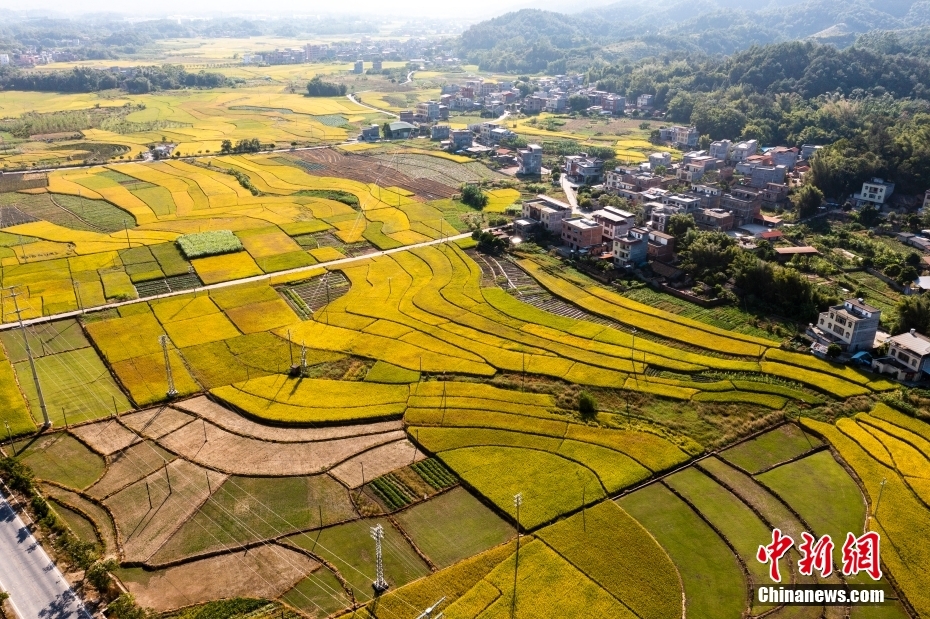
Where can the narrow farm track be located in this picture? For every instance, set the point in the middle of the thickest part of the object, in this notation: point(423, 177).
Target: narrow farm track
point(245, 280)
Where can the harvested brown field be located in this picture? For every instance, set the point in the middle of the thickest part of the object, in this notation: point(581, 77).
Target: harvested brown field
point(143, 529)
point(376, 462)
point(98, 515)
point(156, 422)
point(239, 455)
point(265, 572)
point(229, 420)
point(368, 170)
point(106, 436)
point(128, 466)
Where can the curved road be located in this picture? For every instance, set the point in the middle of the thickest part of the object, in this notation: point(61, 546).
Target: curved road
point(37, 589)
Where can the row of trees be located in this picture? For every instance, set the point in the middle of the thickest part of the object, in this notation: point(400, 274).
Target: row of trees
point(84, 79)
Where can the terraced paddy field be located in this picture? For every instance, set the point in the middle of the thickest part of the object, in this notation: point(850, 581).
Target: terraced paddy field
point(111, 233)
point(423, 400)
point(712, 517)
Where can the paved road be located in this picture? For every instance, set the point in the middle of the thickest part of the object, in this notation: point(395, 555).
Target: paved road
point(257, 278)
point(351, 97)
point(36, 587)
point(569, 193)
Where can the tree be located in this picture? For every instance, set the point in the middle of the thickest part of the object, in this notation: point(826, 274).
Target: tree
point(912, 312)
point(707, 254)
point(98, 574)
point(678, 226)
point(807, 200)
point(226, 146)
point(578, 103)
point(473, 196)
point(834, 351)
point(316, 87)
point(587, 405)
point(386, 130)
point(660, 170)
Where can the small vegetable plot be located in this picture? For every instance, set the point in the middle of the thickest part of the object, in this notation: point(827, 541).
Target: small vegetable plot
point(212, 243)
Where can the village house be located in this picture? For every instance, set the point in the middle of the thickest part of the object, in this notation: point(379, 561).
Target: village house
point(874, 193)
point(529, 160)
point(614, 222)
point(908, 357)
point(583, 170)
point(547, 211)
point(631, 249)
point(581, 233)
point(852, 325)
point(371, 133)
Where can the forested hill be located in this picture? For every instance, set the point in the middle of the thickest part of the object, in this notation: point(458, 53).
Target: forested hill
point(534, 40)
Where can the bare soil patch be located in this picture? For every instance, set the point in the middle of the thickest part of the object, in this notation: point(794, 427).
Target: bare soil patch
point(156, 422)
point(230, 420)
point(366, 169)
point(265, 572)
point(143, 529)
point(217, 448)
point(106, 436)
point(376, 462)
point(128, 466)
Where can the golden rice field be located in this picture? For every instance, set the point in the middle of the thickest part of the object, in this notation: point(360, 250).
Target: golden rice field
point(427, 399)
point(58, 268)
point(195, 121)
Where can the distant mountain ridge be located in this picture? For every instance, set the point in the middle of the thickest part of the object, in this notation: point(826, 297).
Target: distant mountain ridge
point(533, 40)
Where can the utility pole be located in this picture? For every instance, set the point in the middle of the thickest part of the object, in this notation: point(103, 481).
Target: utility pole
point(163, 340)
point(32, 363)
point(517, 502)
point(380, 585)
point(878, 500)
point(10, 434)
point(633, 354)
point(290, 349)
point(77, 296)
point(126, 229)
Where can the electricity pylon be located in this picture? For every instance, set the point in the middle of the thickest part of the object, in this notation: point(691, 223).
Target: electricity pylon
point(163, 340)
point(380, 585)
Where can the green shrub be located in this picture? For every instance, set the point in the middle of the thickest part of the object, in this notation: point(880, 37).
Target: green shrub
point(587, 405)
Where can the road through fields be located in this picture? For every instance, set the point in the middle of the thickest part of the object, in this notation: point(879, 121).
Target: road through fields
point(37, 589)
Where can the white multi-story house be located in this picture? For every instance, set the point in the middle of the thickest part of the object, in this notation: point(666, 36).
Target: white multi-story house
point(547, 211)
point(743, 150)
point(683, 137)
point(874, 192)
point(908, 357)
point(852, 325)
point(644, 101)
point(660, 159)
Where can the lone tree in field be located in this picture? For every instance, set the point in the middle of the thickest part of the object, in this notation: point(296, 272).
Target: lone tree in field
point(473, 196)
point(587, 405)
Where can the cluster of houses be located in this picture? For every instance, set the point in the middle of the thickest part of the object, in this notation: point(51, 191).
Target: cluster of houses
point(359, 52)
point(854, 326)
point(31, 56)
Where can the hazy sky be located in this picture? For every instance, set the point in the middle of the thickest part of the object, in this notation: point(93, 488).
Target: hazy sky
point(476, 9)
